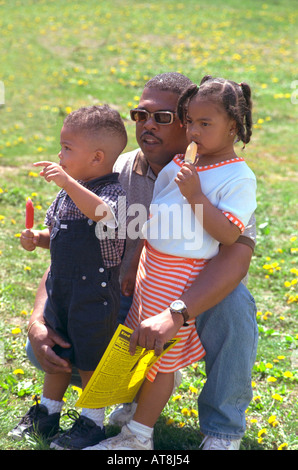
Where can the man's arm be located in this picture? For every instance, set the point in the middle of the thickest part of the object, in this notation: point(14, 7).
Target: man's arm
point(221, 275)
point(42, 338)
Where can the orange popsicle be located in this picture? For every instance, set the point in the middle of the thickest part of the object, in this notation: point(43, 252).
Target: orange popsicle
point(29, 214)
point(191, 152)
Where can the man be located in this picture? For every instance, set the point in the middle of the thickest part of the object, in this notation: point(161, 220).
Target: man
point(224, 308)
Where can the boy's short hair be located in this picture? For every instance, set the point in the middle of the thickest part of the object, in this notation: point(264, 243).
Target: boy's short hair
point(98, 120)
point(169, 81)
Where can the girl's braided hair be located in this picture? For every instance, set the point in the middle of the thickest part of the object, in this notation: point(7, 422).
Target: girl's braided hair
point(235, 99)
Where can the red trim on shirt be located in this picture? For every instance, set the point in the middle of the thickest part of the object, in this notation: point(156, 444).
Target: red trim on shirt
point(179, 160)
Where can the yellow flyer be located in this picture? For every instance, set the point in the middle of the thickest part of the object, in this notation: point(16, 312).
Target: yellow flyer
point(119, 375)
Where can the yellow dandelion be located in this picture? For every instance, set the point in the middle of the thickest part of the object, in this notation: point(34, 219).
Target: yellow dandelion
point(170, 421)
point(288, 374)
point(77, 389)
point(283, 446)
point(262, 432)
point(185, 412)
point(176, 397)
point(16, 331)
point(277, 397)
point(18, 372)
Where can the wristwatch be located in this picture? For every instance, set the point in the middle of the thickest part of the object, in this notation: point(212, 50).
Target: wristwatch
point(178, 306)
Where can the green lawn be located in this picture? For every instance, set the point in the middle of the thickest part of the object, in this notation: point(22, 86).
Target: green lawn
point(57, 56)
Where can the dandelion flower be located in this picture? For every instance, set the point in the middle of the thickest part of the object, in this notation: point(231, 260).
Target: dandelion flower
point(282, 446)
point(185, 412)
point(170, 421)
point(277, 397)
point(271, 379)
point(16, 331)
point(18, 372)
point(176, 397)
point(288, 374)
point(262, 432)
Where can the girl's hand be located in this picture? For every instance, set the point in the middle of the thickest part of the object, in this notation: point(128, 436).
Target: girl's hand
point(29, 239)
point(53, 172)
point(188, 181)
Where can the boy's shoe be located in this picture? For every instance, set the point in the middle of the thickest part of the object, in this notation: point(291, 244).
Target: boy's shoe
point(37, 421)
point(84, 432)
point(124, 413)
point(214, 443)
point(126, 440)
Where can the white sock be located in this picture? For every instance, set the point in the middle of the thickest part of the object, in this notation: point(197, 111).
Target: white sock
point(96, 414)
point(140, 429)
point(53, 406)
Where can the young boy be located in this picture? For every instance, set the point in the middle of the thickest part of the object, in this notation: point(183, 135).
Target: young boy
point(83, 282)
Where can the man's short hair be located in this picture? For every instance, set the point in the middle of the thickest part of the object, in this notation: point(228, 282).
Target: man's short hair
point(169, 81)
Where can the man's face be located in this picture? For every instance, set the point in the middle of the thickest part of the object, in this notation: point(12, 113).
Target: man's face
point(159, 142)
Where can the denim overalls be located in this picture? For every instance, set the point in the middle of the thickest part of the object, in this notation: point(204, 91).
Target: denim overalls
point(83, 295)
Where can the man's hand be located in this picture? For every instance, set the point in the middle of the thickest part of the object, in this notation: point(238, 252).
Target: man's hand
point(43, 339)
point(154, 332)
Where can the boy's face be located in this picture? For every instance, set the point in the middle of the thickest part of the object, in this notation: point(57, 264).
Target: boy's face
point(160, 143)
point(76, 154)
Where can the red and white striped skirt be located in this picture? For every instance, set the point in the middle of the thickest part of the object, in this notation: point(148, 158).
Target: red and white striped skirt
point(160, 280)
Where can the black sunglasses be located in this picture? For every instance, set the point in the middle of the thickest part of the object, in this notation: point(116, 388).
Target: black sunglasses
point(161, 117)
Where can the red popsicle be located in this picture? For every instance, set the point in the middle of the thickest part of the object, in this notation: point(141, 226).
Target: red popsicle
point(29, 214)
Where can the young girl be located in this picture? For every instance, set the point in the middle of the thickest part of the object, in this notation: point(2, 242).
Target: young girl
point(220, 189)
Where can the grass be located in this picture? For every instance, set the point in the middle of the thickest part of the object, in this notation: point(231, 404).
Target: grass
point(58, 56)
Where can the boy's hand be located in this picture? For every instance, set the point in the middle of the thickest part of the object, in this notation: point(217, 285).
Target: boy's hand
point(53, 172)
point(29, 239)
point(188, 181)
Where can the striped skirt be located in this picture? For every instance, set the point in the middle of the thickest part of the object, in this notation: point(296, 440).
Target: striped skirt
point(160, 280)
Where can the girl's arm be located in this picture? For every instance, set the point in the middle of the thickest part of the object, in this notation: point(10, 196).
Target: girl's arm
point(91, 205)
point(214, 221)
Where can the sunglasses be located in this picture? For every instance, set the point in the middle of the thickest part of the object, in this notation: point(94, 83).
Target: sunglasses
point(160, 117)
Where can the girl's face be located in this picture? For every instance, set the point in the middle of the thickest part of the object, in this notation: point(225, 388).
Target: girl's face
point(211, 128)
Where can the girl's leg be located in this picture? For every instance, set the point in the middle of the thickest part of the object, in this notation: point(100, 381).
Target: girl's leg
point(138, 433)
point(152, 399)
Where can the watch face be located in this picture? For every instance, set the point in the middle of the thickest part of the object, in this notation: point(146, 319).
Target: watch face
point(177, 305)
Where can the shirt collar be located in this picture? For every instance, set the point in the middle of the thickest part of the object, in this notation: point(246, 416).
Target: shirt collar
point(141, 166)
point(109, 178)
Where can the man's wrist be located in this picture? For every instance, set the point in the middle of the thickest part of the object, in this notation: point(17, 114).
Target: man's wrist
point(34, 323)
point(178, 308)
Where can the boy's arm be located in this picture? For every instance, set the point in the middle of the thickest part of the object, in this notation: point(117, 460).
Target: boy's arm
point(91, 205)
point(30, 239)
